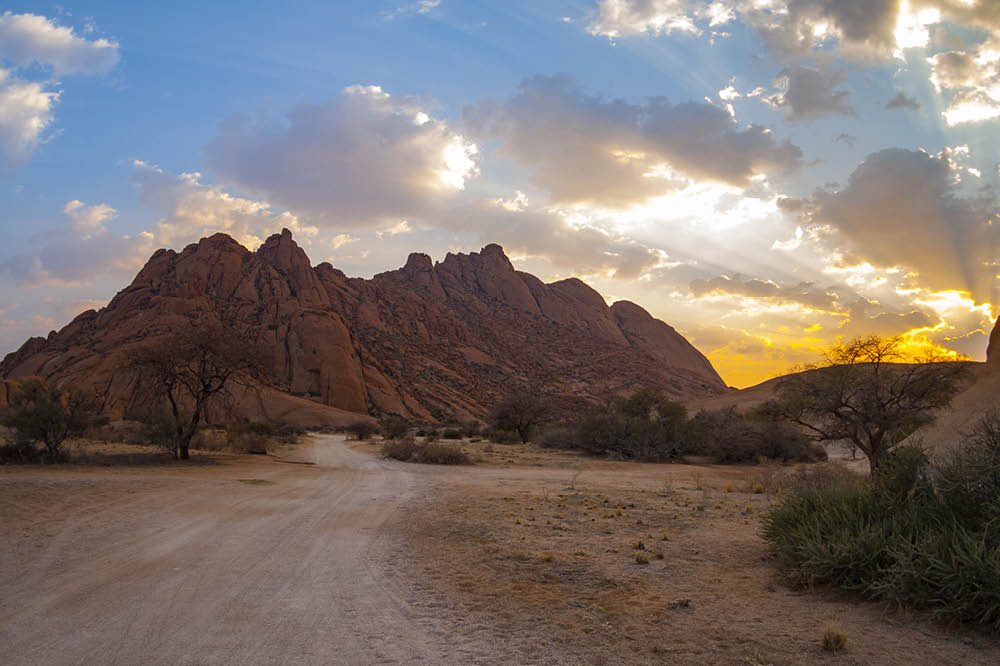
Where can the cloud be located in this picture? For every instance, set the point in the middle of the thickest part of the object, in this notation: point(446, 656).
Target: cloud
point(903, 101)
point(88, 220)
point(808, 93)
point(806, 294)
point(631, 152)
point(581, 250)
point(192, 209)
point(28, 38)
point(25, 114)
point(973, 80)
point(903, 208)
point(617, 18)
point(789, 27)
point(419, 7)
point(847, 139)
point(365, 158)
point(80, 251)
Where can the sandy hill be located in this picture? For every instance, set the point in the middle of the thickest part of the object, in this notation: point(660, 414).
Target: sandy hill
point(969, 406)
point(430, 340)
point(979, 395)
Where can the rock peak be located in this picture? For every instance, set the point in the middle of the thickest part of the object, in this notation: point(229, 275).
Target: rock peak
point(418, 261)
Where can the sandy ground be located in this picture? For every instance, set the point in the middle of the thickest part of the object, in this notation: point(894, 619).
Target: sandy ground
point(245, 561)
point(525, 558)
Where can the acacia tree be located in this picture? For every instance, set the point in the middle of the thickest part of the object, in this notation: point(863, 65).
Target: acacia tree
point(867, 395)
point(520, 412)
point(46, 413)
point(191, 369)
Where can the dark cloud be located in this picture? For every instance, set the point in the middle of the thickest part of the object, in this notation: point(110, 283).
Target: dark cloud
point(903, 101)
point(903, 208)
point(808, 93)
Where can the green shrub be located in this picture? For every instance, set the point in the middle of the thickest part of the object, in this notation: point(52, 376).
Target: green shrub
point(451, 433)
point(913, 535)
point(393, 426)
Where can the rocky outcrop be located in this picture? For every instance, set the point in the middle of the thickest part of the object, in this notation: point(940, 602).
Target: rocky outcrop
point(431, 341)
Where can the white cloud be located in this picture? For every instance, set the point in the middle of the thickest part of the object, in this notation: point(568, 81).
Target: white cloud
point(366, 158)
point(973, 80)
point(631, 152)
point(26, 107)
point(29, 38)
point(617, 18)
point(25, 114)
point(192, 209)
point(88, 220)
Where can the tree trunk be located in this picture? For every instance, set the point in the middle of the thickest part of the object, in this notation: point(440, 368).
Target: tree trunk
point(182, 452)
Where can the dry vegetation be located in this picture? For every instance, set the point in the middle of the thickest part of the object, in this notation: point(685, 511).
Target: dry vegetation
point(581, 561)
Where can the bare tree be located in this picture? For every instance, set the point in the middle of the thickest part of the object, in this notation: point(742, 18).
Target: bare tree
point(191, 369)
point(520, 412)
point(866, 395)
point(48, 414)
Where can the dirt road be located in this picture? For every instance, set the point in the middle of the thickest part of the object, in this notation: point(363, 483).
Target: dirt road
point(254, 562)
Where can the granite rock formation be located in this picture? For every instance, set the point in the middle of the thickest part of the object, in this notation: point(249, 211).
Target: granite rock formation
point(431, 341)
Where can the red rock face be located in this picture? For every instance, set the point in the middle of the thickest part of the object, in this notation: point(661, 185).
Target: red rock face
point(431, 341)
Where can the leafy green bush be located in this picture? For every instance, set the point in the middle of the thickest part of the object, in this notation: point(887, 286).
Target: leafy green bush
point(451, 433)
point(914, 535)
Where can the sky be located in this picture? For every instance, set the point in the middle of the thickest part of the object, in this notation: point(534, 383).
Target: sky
point(770, 177)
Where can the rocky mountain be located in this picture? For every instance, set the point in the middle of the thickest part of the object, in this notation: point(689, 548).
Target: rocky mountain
point(430, 341)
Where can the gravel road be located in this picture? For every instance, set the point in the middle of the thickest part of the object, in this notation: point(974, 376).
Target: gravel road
point(253, 562)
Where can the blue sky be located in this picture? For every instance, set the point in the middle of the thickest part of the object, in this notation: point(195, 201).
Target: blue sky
point(768, 176)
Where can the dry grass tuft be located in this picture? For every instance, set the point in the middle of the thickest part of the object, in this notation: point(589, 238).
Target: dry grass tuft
point(833, 639)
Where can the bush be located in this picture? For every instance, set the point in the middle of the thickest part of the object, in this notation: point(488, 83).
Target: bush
point(45, 413)
point(451, 433)
point(393, 426)
point(913, 535)
point(560, 436)
point(502, 436)
point(409, 450)
point(472, 429)
point(729, 436)
point(19, 451)
point(362, 429)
